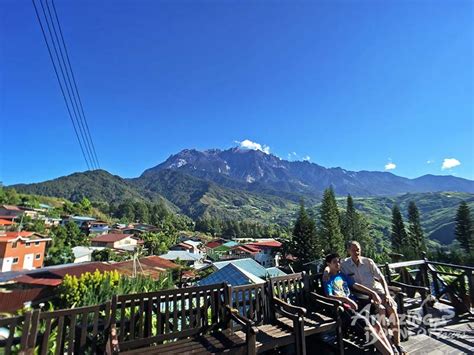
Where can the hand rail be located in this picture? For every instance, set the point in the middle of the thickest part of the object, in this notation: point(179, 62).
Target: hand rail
point(454, 266)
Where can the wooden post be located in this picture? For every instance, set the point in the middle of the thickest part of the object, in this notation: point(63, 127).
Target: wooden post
point(470, 281)
point(424, 272)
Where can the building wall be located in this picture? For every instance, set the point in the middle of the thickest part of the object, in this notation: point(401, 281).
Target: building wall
point(125, 241)
point(8, 254)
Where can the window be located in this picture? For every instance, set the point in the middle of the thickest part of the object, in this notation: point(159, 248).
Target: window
point(37, 243)
point(27, 244)
point(14, 244)
point(38, 256)
point(15, 260)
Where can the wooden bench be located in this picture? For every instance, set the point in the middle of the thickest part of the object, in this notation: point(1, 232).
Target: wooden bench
point(305, 313)
point(196, 319)
point(251, 301)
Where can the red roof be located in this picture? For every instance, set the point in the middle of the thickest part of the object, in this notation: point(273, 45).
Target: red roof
point(213, 244)
point(153, 261)
point(11, 207)
point(30, 280)
point(267, 244)
point(15, 235)
point(186, 246)
point(9, 217)
point(247, 249)
point(111, 237)
point(5, 222)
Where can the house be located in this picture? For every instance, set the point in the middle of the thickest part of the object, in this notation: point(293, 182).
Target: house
point(152, 266)
point(250, 266)
point(183, 247)
point(5, 224)
point(10, 211)
point(79, 220)
point(233, 275)
point(196, 245)
point(21, 250)
point(240, 252)
point(209, 246)
point(98, 227)
point(267, 252)
point(190, 259)
point(84, 254)
point(116, 241)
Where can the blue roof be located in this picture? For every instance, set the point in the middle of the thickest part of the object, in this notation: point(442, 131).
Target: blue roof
point(248, 265)
point(274, 271)
point(83, 218)
point(230, 244)
point(231, 274)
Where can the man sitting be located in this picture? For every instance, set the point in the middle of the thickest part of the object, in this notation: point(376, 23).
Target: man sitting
point(337, 286)
point(365, 272)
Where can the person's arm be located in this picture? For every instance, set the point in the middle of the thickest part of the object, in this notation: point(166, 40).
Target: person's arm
point(346, 300)
point(326, 274)
point(372, 294)
point(381, 278)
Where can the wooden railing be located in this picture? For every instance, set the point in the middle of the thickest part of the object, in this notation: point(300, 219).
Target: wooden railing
point(85, 329)
point(451, 284)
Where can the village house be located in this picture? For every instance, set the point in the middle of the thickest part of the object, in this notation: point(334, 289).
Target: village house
point(98, 227)
point(267, 255)
point(21, 250)
point(10, 211)
point(79, 220)
point(116, 241)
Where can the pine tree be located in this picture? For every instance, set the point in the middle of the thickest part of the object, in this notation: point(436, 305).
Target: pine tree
point(350, 222)
point(330, 232)
point(463, 229)
point(416, 237)
point(399, 235)
point(303, 243)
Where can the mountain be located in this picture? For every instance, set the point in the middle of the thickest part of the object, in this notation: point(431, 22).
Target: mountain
point(251, 185)
point(256, 171)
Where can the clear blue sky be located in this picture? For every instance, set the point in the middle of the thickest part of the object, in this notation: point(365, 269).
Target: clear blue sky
point(356, 84)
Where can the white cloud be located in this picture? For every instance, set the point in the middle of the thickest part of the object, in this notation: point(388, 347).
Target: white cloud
point(449, 163)
point(390, 166)
point(248, 144)
point(307, 158)
point(430, 161)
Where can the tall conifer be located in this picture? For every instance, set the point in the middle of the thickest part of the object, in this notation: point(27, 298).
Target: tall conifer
point(399, 235)
point(330, 231)
point(463, 229)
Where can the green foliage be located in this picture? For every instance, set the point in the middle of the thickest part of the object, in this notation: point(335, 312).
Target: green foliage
point(464, 228)
point(158, 243)
point(231, 229)
point(399, 235)
point(107, 254)
point(303, 243)
point(36, 225)
point(9, 196)
point(416, 237)
point(97, 287)
point(64, 238)
point(330, 228)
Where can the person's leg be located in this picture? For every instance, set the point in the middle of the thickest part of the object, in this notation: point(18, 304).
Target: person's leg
point(394, 323)
point(381, 333)
point(375, 337)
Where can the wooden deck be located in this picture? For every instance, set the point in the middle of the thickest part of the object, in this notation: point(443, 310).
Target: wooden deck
point(448, 335)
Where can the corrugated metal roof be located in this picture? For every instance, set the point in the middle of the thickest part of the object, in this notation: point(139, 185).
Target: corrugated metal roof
point(246, 264)
point(182, 255)
point(233, 275)
point(274, 271)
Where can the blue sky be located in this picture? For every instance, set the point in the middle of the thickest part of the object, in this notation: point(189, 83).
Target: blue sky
point(362, 85)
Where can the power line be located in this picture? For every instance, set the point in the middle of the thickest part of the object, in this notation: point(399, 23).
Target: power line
point(62, 64)
point(60, 84)
point(75, 84)
point(68, 84)
point(69, 87)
